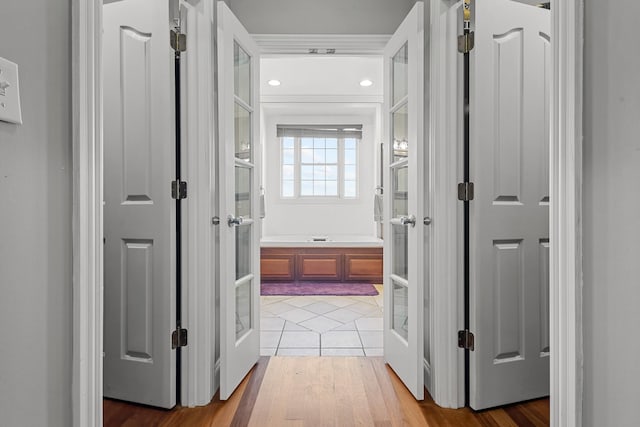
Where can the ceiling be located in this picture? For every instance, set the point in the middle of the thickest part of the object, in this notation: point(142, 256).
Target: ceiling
point(321, 75)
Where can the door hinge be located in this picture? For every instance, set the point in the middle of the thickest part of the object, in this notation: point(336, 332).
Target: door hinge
point(178, 190)
point(178, 338)
point(178, 41)
point(466, 340)
point(465, 191)
point(466, 42)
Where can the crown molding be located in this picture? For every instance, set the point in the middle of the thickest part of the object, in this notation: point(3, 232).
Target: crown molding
point(300, 44)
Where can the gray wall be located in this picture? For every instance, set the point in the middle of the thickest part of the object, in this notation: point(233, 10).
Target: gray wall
point(35, 219)
point(321, 16)
point(611, 215)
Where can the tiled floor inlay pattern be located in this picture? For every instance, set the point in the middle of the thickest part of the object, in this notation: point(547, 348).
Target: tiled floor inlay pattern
point(321, 325)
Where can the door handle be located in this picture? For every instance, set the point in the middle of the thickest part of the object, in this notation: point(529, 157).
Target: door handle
point(408, 220)
point(233, 221)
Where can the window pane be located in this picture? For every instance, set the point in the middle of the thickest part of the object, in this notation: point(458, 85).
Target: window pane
point(288, 157)
point(318, 173)
point(306, 173)
point(332, 173)
point(400, 125)
point(287, 143)
point(331, 156)
point(400, 74)
point(287, 172)
point(331, 143)
point(243, 250)
point(243, 309)
point(318, 143)
point(400, 192)
point(349, 157)
point(400, 250)
point(306, 143)
point(350, 144)
point(349, 173)
point(242, 73)
point(243, 191)
point(242, 133)
point(306, 188)
point(400, 310)
point(306, 155)
point(349, 189)
point(318, 155)
point(318, 188)
point(332, 188)
point(287, 189)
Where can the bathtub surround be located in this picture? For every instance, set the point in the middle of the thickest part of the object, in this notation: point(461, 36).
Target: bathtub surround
point(318, 289)
point(313, 263)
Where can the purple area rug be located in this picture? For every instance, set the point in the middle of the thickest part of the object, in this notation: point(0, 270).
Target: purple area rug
point(318, 288)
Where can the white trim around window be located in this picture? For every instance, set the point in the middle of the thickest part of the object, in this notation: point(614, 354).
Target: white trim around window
point(292, 154)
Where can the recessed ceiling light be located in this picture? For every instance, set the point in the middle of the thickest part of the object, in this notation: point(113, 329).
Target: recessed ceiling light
point(366, 83)
point(274, 82)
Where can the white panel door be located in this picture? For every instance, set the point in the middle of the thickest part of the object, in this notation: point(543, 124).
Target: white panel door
point(139, 255)
point(509, 237)
point(239, 158)
point(404, 261)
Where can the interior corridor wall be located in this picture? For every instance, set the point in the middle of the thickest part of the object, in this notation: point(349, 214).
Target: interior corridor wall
point(611, 209)
point(35, 218)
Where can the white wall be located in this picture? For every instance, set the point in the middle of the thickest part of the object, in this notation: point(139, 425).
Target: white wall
point(611, 215)
point(319, 217)
point(35, 219)
point(321, 17)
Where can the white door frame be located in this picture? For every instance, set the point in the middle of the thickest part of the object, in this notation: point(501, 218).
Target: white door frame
point(565, 212)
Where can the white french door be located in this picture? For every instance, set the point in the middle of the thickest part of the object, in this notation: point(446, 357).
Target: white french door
point(509, 217)
point(239, 159)
point(405, 187)
point(139, 214)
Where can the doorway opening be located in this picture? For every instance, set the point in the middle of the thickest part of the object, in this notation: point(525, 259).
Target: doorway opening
point(321, 242)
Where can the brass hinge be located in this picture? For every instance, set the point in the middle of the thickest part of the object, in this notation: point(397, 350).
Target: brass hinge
point(178, 41)
point(466, 42)
point(178, 190)
point(465, 191)
point(178, 338)
point(466, 340)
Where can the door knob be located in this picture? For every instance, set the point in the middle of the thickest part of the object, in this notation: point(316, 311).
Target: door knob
point(408, 220)
point(233, 221)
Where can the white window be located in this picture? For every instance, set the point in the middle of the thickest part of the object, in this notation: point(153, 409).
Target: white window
point(319, 161)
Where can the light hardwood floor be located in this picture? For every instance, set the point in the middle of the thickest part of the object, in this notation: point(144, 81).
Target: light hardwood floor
point(324, 391)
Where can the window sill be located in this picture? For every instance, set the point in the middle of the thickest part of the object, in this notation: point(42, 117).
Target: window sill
point(318, 201)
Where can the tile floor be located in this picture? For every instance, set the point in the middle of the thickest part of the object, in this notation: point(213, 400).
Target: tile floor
point(321, 325)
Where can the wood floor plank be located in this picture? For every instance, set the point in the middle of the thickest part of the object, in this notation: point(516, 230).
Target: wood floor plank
point(250, 395)
point(324, 391)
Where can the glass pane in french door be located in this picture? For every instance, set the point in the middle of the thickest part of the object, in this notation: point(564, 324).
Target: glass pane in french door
point(243, 250)
point(242, 73)
point(244, 322)
point(400, 309)
point(400, 127)
point(400, 191)
point(243, 191)
point(243, 141)
point(400, 74)
point(400, 245)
